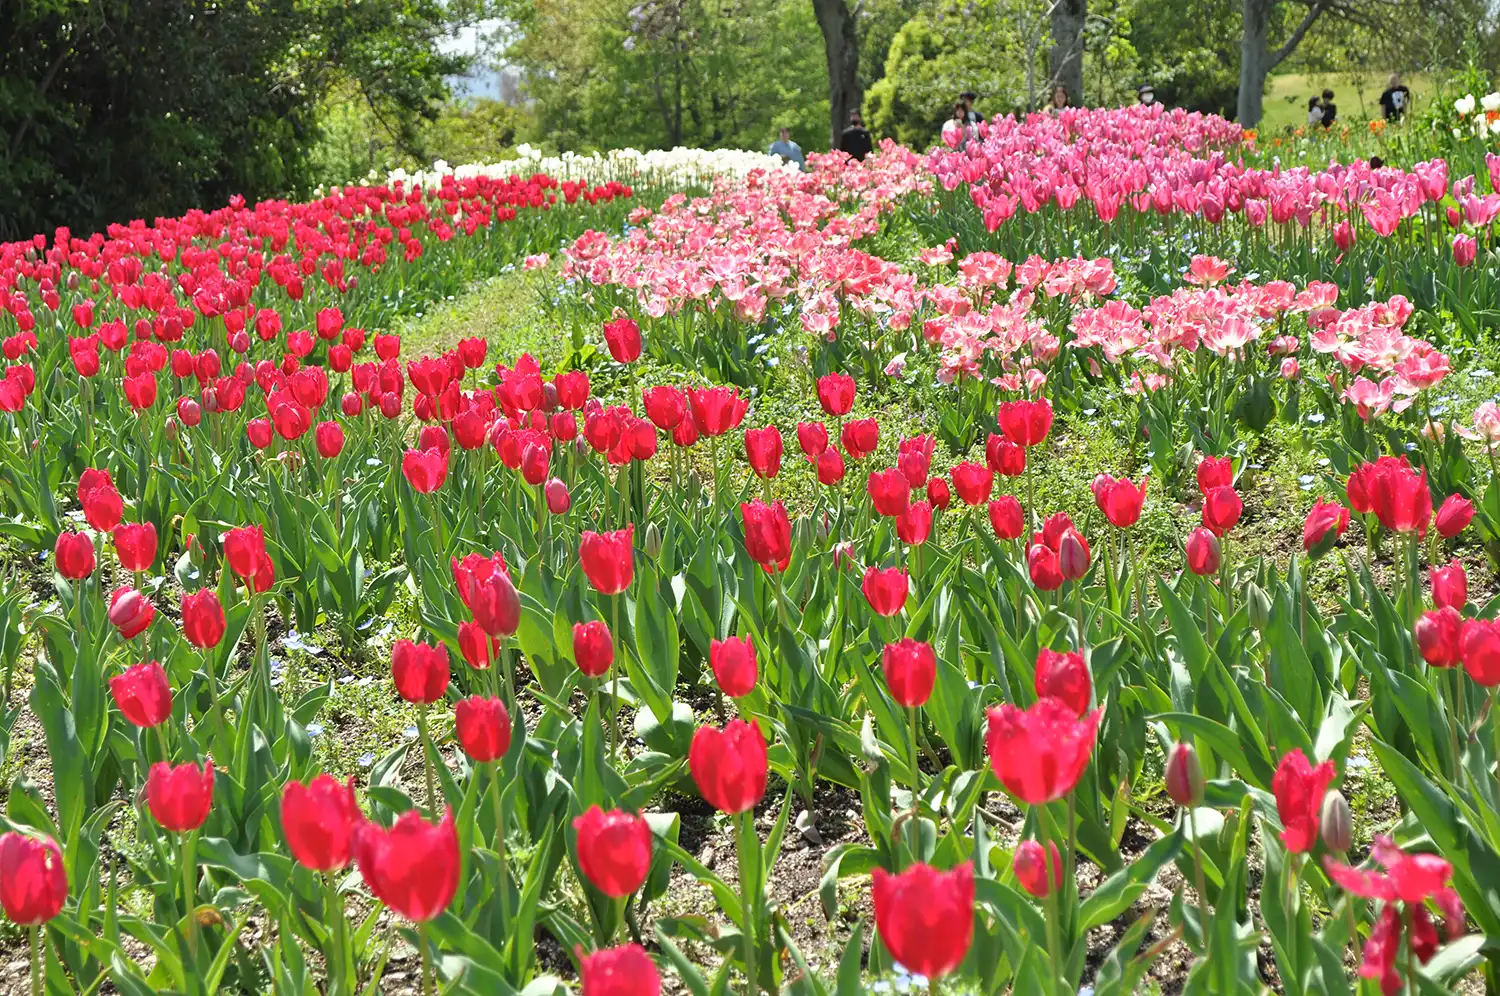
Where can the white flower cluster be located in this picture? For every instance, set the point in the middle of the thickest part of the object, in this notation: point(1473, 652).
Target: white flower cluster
point(666, 167)
point(1481, 124)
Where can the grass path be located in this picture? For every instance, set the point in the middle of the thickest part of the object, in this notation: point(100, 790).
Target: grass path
point(506, 309)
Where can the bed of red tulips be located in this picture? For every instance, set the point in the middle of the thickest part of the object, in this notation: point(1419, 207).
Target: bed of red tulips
point(602, 606)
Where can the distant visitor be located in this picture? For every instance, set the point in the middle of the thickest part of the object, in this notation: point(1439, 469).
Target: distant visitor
point(1396, 98)
point(787, 149)
point(856, 138)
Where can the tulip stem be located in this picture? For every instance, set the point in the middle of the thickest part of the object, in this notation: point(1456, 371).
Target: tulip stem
point(427, 761)
point(916, 788)
point(36, 959)
point(614, 688)
point(426, 962)
point(337, 984)
point(747, 843)
point(1455, 720)
point(189, 890)
point(498, 795)
point(1198, 877)
point(1054, 936)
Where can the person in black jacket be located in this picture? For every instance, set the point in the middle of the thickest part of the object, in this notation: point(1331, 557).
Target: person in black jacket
point(1330, 111)
point(856, 138)
point(1396, 98)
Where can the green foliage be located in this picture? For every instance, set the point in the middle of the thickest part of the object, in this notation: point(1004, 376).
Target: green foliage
point(114, 110)
point(1187, 65)
point(612, 73)
point(354, 143)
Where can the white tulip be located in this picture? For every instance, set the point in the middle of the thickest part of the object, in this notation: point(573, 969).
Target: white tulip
point(1464, 105)
point(1490, 102)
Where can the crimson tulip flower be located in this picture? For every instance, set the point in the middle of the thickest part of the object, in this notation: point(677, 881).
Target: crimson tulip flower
point(33, 878)
point(259, 432)
point(890, 492)
point(763, 451)
point(938, 493)
point(1399, 496)
point(973, 482)
point(135, 545)
point(593, 648)
point(665, 406)
point(329, 438)
point(1222, 508)
point(1450, 586)
point(1038, 869)
point(413, 866)
point(836, 393)
point(914, 459)
point(602, 430)
point(716, 410)
point(1007, 519)
point(1439, 636)
point(1479, 643)
point(910, 671)
point(143, 694)
point(729, 766)
point(102, 505)
point(496, 604)
point(614, 850)
point(608, 559)
point(1203, 552)
point(1043, 566)
point(559, 499)
point(1026, 423)
point(768, 535)
point(1184, 776)
point(475, 569)
point(1299, 787)
point(925, 916)
point(1454, 516)
point(420, 671)
point(626, 970)
point(425, 470)
point(245, 549)
point(733, 664)
point(830, 466)
point(318, 821)
point(1214, 472)
point(1120, 499)
point(482, 726)
point(180, 797)
point(73, 555)
point(1040, 753)
point(1323, 526)
point(859, 437)
point(572, 389)
point(1004, 457)
point(1065, 677)
point(914, 525)
point(478, 648)
point(885, 589)
point(130, 612)
point(623, 337)
point(203, 621)
point(812, 437)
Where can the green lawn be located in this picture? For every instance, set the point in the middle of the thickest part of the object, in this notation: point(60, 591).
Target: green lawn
point(1357, 96)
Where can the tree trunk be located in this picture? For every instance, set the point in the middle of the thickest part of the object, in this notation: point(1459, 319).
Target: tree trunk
point(841, 47)
point(1255, 60)
point(1067, 48)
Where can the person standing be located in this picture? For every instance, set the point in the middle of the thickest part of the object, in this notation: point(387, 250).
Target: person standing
point(957, 130)
point(787, 149)
point(856, 138)
point(971, 116)
point(1145, 95)
point(1314, 112)
point(1330, 109)
point(1396, 98)
point(1059, 99)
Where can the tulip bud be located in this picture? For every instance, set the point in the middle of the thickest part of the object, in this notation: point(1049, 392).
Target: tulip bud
point(1336, 823)
point(652, 540)
point(1258, 605)
point(1184, 776)
point(1073, 555)
point(824, 528)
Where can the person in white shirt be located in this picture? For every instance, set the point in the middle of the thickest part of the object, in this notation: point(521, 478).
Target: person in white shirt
point(1314, 112)
point(957, 130)
point(787, 149)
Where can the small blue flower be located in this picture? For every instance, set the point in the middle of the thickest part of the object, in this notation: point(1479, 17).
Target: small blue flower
point(314, 729)
point(365, 760)
point(410, 733)
point(1316, 418)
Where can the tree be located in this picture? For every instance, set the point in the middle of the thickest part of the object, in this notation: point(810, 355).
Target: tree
point(841, 51)
point(1068, 17)
point(1257, 58)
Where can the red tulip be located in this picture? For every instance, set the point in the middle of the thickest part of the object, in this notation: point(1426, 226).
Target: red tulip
point(859, 437)
point(1398, 496)
point(1072, 555)
point(812, 437)
point(245, 549)
point(910, 671)
point(1221, 510)
point(973, 482)
point(890, 492)
point(716, 410)
point(885, 589)
point(622, 971)
point(763, 450)
point(1450, 586)
point(482, 726)
point(33, 879)
point(602, 430)
point(1214, 472)
point(925, 916)
point(608, 559)
point(102, 506)
point(914, 525)
point(830, 467)
point(1479, 643)
point(836, 393)
point(614, 850)
point(425, 470)
point(135, 545)
point(329, 437)
point(1454, 516)
point(420, 671)
point(74, 556)
point(768, 534)
point(1004, 457)
point(259, 432)
point(203, 621)
point(1026, 423)
point(1040, 753)
point(665, 406)
point(1203, 556)
point(473, 570)
point(729, 766)
point(1032, 862)
point(1043, 566)
point(593, 648)
point(143, 694)
point(477, 647)
point(1324, 525)
point(1120, 499)
point(496, 604)
point(938, 493)
point(1299, 787)
point(318, 821)
point(413, 866)
point(1006, 518)
point(623, 337)
point(1064, 677)
point(1184, 775)
point(572, 389)
point(914, 459)
point(180, 797)
point(559, 500)
point(130, 612)
point(733, 664)
point(1439, 636)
